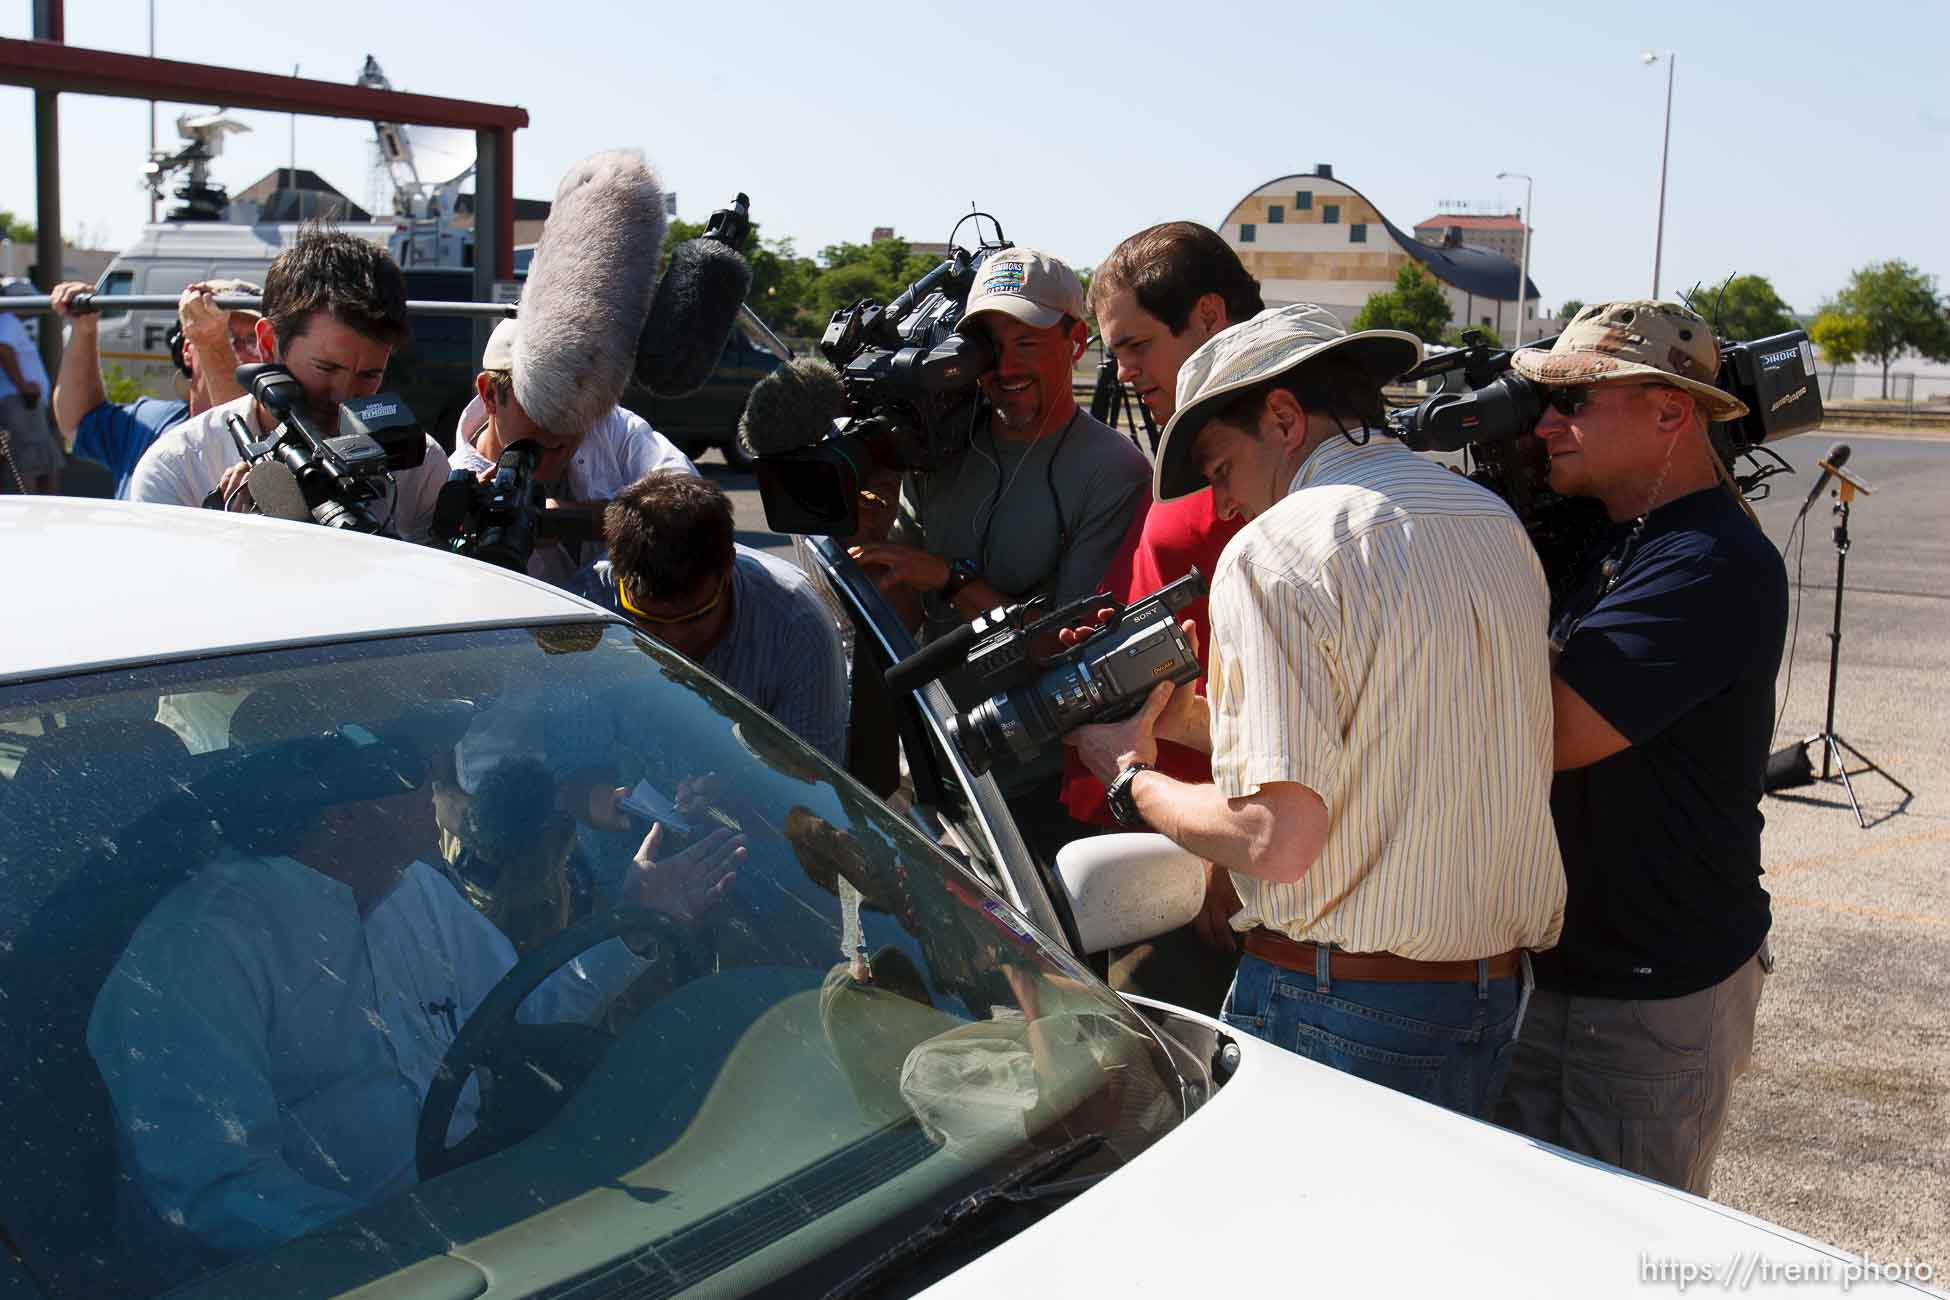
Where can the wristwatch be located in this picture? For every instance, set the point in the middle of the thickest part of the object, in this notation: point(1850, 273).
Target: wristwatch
point(1122, 806)
point(960, 574)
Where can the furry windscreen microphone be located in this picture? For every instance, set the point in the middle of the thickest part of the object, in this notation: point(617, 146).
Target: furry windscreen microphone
point(792, 407)
point(696, 305)
point(588, 291)
point(275, 492)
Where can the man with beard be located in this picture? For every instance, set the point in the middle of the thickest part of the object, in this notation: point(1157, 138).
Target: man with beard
point(334, 311)
point(1036, 504)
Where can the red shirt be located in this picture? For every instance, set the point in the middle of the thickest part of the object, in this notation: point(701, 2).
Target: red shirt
point(1161, 547)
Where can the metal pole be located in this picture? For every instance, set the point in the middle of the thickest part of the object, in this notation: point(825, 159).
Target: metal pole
point(1523, 267)
point(1665, 151)
point(153, 196)
point(49, 24)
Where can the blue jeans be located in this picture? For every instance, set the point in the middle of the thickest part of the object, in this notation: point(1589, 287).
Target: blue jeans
point(1448, 1043)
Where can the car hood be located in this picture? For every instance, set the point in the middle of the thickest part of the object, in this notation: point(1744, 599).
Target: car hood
point(1295, 1178)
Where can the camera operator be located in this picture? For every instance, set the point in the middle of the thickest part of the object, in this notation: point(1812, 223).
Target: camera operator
point(334, 310)
point(1666, 655)
point(1158, 296)
point(1038, 502)
point(676, 571)
point(28, 449)
point(213, 344)
point(590, 466)
point(1378, 718)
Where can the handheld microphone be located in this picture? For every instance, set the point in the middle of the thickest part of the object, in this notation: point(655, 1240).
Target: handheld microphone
point(792, 408)
point(1837, 457)
point(589, 290)
point(691, 317)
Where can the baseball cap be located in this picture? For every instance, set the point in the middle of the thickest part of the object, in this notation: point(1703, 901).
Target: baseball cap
point(237, 289)
point(1610, 341)
point(1278, 340)
point(500, 351)
point(1033, 287)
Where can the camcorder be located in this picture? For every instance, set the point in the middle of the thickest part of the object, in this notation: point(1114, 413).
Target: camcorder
point(298, 472)
point(1026, 701)
point(502, 519)
point(910, 401)
point(1489, 412)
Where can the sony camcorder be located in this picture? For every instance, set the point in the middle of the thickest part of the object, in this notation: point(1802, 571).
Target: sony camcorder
point(909, 384)
point(1487, 413)
point(332, 478)
point(1027, 701)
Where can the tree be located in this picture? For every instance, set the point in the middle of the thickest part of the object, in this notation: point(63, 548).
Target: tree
point(1841, 337)
point(1454, 335)
point(1900, 312)
point(1571, 307)
point(1416, 304)
point(1746, 308)
point(12, 227)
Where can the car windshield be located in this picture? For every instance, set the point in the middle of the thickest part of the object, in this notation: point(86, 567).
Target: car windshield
point(519, 961)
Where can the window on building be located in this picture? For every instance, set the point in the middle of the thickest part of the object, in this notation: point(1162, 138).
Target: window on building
point(1357, 233)
point(1247, 232)
point(1486, 320)
point(1275, 214)
point(1330, 212)
point(1303, 200)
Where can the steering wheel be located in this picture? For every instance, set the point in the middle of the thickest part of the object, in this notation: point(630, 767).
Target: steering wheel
point(494, 1040)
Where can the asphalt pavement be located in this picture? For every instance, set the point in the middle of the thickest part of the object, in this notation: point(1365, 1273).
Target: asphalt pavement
point(1841, 1129)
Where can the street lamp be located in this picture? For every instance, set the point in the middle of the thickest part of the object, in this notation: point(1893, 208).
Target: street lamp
point(1665, 150)
point(1523, 268)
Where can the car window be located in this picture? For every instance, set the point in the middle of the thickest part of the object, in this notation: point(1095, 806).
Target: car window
point(337, 964)
point(119, 284)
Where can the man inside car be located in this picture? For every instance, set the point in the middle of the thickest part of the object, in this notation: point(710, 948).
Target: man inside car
point(334, 311)
point(587, 467)
point(270, 1033)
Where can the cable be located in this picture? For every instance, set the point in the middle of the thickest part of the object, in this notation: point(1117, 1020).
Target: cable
point(1794, 634)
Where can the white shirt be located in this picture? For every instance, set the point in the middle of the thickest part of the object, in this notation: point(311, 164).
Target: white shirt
point(184, 465)
point(620, 449)
point(268, 1050)
point(1379, 637)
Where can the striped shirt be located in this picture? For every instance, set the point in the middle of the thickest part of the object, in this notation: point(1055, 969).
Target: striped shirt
point(1379, 637)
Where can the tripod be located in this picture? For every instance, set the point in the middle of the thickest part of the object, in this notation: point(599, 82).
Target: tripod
point(1833, 747)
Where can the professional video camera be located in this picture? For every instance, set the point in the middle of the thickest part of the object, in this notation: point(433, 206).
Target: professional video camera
point(501, 520)
point(298, 472)
point(1488, 419)
point(905, 379)
point(1025, 701)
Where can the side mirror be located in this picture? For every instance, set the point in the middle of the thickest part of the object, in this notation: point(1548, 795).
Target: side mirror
point(1125, 889)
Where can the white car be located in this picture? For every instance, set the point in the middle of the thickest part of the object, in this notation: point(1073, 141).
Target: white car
point(313, 982)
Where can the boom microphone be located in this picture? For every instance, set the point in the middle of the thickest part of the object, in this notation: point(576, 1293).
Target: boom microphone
point(696, 305)
point(588, 292)
point(791, 408)
point(1837, 457)
point(932, 659)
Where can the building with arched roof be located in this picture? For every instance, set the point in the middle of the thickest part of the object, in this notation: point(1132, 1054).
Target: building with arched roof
point(1311, 238)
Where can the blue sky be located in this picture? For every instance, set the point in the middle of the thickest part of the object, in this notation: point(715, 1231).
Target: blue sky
point(1807, 139)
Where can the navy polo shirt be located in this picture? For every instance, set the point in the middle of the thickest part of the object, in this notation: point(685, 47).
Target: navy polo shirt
point(1661, 841)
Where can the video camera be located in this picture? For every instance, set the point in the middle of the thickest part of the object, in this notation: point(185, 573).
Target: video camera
point(338, 476)
point(1027, 702)
point(909, 390)
point(1774, 377)
point(501, 520)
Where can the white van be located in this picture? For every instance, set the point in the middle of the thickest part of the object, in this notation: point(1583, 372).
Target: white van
point(167, 258)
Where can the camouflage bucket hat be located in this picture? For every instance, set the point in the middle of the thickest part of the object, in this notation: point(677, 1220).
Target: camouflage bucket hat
point(1610, 341)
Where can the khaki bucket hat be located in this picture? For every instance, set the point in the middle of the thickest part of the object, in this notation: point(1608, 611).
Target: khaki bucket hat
point(1610, 341)
point(1269, 345)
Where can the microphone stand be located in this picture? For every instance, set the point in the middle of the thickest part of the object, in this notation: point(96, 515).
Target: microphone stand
point(1833, 747)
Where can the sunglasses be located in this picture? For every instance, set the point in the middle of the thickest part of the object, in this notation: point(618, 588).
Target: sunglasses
point(1569, 401)
point(667, 620)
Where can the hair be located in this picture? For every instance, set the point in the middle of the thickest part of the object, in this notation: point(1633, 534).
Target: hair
point(1170, 267)
point(328, 270)
point(1335, 385)
point(502, 384)
point(511, 818)
point(668, 533)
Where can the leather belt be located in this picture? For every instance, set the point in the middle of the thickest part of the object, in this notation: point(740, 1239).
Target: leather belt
point(1291, 954)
